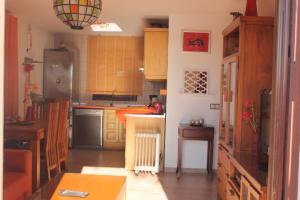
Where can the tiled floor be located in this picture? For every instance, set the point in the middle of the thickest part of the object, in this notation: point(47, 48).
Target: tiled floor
point(188, 187)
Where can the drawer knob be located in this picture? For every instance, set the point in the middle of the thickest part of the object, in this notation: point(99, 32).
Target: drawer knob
point(231, 192)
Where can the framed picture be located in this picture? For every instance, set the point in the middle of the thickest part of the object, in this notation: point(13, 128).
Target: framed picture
point(196, 41)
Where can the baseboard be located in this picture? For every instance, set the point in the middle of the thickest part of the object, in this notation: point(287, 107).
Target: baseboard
point(188, 170)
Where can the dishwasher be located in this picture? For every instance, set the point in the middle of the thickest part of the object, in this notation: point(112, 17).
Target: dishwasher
point(87, 128)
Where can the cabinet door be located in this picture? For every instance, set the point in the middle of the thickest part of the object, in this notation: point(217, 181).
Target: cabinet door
point(244, 189)
point(114, 131)
point(110, 127)
point(221, 182)
point(113, 65)
point(253, 194)
point(156, 53)
point(231, 194)
point(247, 191)
point(93, 79)
point(128, 77)
point(122, 132)
point(228, 104)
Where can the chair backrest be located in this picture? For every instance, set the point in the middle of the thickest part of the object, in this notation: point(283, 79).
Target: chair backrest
point(62, 138)
point(39, 110)
point(51, 136)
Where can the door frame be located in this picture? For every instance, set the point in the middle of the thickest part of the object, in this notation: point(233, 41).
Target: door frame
point(2, 18)
point(293, 128)
point(284, 151)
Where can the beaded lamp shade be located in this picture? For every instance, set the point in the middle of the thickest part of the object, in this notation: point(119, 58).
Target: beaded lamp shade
point(77, 13)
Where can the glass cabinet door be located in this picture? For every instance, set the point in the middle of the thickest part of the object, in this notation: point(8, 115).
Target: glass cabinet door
point(228, 96)
point(224, 88)
point(232, 103)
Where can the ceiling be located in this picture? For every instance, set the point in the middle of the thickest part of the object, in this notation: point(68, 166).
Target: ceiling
point(130, 15)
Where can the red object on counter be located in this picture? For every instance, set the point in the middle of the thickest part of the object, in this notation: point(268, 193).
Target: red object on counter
point(158, 107)
point(135, 110)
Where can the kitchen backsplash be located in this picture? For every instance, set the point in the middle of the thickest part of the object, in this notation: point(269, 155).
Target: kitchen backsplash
point(148, 89)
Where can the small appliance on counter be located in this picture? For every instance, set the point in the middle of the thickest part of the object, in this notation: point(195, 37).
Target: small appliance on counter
point(156, 104)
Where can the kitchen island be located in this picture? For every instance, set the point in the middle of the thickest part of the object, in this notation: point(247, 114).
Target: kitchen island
point(143, 123)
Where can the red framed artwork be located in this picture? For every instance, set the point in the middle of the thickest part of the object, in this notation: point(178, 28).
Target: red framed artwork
point(196, 41)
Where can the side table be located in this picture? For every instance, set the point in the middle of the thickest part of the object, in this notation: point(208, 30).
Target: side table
point(188, 132)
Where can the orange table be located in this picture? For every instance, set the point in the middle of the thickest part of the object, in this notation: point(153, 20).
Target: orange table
point(99, 187)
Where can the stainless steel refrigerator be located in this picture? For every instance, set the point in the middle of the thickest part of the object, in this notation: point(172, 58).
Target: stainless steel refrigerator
point(58, 73)
point(58, 78)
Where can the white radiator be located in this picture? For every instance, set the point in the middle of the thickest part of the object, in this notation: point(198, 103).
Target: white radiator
point(147, 151)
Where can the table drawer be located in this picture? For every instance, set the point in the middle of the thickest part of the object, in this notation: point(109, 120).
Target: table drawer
point(194, 134)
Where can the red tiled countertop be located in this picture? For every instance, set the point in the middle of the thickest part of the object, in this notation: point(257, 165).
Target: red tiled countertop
point(98, 107)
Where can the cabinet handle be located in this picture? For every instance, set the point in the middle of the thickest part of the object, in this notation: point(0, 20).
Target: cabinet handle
point(219, 180)
point(227, 174)
point(231, 192)
point(219, 164)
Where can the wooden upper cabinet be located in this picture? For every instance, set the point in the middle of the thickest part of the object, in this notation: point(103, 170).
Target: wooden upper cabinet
point(156, 53)
point(113, 65)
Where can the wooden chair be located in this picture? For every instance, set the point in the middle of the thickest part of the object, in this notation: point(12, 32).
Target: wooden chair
point(62, 138)
point(39, 110)
point(51, 138)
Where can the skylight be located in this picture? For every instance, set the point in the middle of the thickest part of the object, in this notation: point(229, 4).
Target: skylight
point(106, 27)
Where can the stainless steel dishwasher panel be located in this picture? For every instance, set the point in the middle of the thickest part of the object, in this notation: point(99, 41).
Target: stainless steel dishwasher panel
point(87, 128)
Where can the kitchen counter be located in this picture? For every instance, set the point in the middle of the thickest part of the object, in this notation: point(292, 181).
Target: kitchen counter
point(143, 123)
point(97, 107)
point(146, 115)
point(107, 107)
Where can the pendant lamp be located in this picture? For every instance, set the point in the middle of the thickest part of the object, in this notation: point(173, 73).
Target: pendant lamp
point(77, 13)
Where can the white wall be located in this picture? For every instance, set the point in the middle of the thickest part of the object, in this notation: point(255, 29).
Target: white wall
point(266, 7)
point(181, 108)
point(40, 39)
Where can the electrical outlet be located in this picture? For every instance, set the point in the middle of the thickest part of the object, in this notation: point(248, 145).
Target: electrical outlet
point(214, 106)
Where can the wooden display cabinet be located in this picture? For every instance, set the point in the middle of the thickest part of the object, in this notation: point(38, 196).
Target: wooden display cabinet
point(246, 71)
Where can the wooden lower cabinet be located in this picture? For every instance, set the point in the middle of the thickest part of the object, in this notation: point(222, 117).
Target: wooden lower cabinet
point(248, 192)
point(221, 182)
point(231, 194)
point(114, 132)
point(228, 174)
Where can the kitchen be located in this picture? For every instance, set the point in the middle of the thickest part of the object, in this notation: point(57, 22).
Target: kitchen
point(133, 87)
point(108, 87)
point(113, 85)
